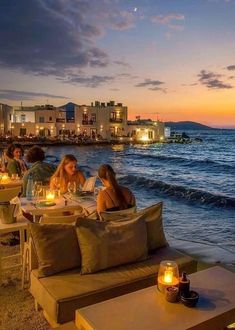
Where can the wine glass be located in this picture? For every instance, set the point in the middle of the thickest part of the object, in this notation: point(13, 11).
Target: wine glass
point(37, 188)
point(72, 187)
point(96, 192)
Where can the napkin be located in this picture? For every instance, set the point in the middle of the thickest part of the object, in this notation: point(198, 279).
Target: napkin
point(17, 211)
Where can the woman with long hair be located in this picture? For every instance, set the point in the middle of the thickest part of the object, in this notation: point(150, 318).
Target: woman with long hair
point(16, 165)
point(114, 197)
point(66, 173)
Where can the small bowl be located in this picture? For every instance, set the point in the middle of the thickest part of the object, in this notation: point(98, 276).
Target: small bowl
point(191, 300)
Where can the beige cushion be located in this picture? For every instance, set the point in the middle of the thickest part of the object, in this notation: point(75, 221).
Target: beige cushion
point(56, 247)
point(117, 215)
point(108, 244)
point(153, 217)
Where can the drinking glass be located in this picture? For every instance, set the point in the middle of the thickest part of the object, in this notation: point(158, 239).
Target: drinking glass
point(14, 176)
point(38, 189)
point(96, 192)
point(72, 187)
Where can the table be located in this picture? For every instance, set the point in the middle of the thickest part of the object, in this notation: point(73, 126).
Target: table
point(20, 225)
point(11, 183)
point(147, 309)
point(62, 204)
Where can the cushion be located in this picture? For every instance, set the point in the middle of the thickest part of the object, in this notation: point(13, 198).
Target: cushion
point(153, 218)
point(117, 215)
point(108, 244)
point(56, 247)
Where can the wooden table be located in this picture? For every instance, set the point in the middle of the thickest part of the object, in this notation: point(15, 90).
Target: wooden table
point(62, 205)
point(147, 309)
point(20, 225)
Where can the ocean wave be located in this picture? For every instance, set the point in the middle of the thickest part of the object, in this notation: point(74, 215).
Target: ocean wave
point(187, 162)
point(194, 195)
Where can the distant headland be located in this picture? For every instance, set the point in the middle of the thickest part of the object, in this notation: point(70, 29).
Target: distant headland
point(187, 125)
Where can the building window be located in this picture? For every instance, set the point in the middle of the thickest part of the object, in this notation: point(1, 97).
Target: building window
point(41, 119)
point(150, 135)
point(50, 118)
point(113, 115)
point(93, 117)
point(22, 117)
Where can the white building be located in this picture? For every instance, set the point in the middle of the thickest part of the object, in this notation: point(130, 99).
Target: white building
point(99, 120)
point(5, 119)
point(146, 130)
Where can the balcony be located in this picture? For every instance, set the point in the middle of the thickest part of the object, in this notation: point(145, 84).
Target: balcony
point(60, 120)
point(116, 121)
point(88, 122)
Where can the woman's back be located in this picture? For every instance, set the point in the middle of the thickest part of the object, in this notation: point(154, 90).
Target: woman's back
point(107, 199)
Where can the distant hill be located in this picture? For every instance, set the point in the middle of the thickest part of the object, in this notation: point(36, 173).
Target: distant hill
point(186, 125)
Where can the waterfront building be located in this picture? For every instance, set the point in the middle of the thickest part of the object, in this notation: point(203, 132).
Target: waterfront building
point(5, 119)
point(146, 130)
point(107, 121)
point(102, 120)
point(37, 120)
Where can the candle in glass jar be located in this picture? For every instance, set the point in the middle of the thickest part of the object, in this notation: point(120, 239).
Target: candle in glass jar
point(5, 177)
point(50, 195)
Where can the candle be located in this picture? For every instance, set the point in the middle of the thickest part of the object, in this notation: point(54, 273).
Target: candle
point(5, 177)
point(166, 280)
point(168, 275)
point(50, 195)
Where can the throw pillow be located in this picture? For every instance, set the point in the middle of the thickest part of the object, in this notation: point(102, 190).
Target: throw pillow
point(155, 233)
point(109, 244)
point(56, 247)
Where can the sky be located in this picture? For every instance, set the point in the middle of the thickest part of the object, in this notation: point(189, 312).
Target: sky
point(172, 60)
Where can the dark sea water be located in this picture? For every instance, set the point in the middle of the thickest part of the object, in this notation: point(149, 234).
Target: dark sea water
point(195, 181)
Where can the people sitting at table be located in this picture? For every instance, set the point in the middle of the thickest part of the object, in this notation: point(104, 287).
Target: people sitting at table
point(67, 174)
point(41, 170)
point(15, 164)
point(114, 197)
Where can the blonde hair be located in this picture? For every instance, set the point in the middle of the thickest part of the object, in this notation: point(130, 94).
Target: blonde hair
point(61, 173)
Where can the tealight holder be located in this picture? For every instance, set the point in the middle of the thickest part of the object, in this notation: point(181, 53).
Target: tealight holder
point(172, 294)
point(168, 275)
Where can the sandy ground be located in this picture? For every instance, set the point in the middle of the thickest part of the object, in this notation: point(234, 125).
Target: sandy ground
point(16, 305)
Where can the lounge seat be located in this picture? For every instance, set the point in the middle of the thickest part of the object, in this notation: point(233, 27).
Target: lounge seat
point(61, 294)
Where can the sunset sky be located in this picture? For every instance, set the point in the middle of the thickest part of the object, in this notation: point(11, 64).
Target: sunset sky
point(167, 59)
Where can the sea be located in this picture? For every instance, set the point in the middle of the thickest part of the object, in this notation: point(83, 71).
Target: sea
point(195, 181)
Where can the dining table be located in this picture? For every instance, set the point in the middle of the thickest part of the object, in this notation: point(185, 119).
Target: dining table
point(62, 204)
point(10, 183)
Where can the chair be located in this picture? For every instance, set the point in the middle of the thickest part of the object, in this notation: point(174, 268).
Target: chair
point(48, 218)
point(117, 215)
point(7, 194)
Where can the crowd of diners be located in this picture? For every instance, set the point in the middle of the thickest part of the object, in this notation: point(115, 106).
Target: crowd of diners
point(113, 197)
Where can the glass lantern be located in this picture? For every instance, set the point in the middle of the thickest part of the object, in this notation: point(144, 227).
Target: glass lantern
point(168, 275)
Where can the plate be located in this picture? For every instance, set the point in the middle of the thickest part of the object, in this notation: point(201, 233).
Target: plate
point(45, 204)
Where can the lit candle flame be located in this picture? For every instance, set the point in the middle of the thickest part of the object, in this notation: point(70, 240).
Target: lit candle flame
point(50, 195)
point(168, 276)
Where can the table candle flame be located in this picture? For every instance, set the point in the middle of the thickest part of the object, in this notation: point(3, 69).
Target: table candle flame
point(50, 196)
point(168, 276)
